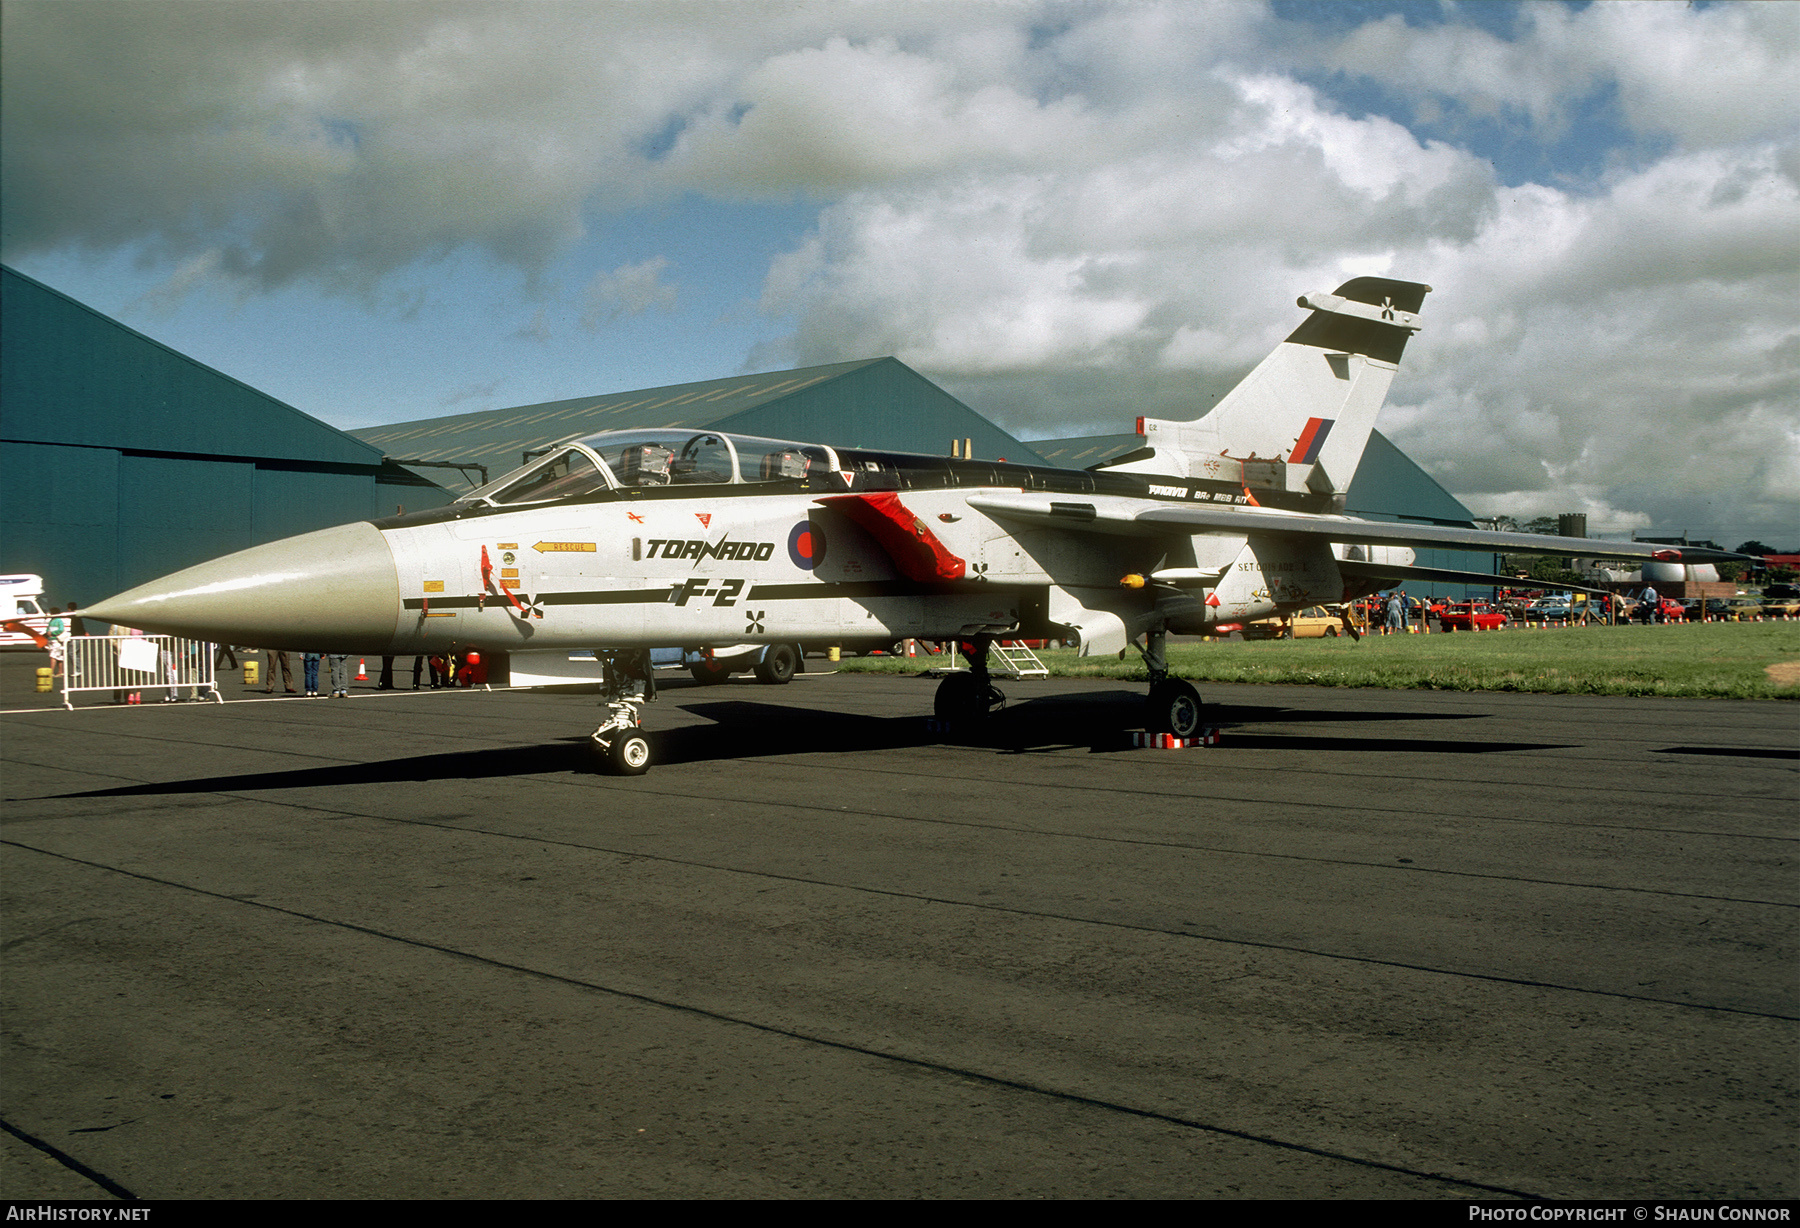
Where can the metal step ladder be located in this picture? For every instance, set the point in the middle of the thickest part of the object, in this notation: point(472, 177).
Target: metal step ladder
point(1019, 660)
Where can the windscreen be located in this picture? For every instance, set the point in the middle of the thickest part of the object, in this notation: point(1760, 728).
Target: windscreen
point(569, 472)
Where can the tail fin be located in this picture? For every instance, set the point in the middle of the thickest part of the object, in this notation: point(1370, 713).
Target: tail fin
point(1298, 423)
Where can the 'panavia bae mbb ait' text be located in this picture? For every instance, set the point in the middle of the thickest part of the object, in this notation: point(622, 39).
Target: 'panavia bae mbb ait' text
point(625, 541)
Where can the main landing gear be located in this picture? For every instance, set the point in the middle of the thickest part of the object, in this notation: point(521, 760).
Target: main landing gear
point(968, 699)
point(1174, 705)
point(626, 682)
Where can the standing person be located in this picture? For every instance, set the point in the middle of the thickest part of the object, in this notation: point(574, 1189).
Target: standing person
point(123, 696)
point(1652, 604)
point(57, 632)
point(77, 628)
point(1396, 612)
point(287, 672)
point(386, 681)
point(340, 675)
point(172, 670)
point(309, 666)
point(418, 665)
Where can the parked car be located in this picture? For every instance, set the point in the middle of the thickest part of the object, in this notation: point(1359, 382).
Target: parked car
point(1671, 611)
point(1314, 622)
point(1715, 608)
point(1781, 601)
point(1472, 616)
point(774, 664)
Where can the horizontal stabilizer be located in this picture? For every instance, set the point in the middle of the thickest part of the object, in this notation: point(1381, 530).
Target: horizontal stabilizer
point(1393, 573)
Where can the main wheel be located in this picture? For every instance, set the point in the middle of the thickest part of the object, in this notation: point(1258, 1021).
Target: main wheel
point(629, 754)
point(779, 664)
point(960, 698)
point(710, 673)
point(1175, 708)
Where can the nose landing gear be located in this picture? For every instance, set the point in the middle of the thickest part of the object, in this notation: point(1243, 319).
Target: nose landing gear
point(626, 682)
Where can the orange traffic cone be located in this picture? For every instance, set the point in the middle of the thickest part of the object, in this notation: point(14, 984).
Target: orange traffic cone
point(362, 669)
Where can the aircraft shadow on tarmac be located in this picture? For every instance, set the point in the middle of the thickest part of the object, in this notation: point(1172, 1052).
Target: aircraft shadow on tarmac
point(746, 729)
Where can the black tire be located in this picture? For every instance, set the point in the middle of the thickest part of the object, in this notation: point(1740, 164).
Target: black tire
point(1332, 633)
point(629, 754)
point(1175, 707)
point(779, 665)
point(961, 699)
point(710, 673)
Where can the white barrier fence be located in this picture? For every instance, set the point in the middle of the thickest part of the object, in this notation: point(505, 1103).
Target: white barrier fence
point(129, 664)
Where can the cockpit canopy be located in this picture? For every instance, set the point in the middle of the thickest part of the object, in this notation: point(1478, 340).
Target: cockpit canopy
point(650, 459)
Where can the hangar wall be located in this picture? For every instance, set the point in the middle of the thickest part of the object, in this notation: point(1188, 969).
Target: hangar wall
point(122, 460)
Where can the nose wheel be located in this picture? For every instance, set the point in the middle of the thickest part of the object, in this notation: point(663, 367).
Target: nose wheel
point(621, 743)
point(626, 682)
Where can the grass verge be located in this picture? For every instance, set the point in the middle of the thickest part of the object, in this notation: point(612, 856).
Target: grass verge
point(1705, 660)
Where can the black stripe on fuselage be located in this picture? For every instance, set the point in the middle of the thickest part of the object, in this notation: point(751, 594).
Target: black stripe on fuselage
point(616, 596)
point(815, 590)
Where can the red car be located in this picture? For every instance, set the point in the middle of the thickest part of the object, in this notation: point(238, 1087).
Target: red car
point(1471, 616)
point(1672, 611)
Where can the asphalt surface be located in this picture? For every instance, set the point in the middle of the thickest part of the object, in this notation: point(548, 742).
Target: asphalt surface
point(1376, 944)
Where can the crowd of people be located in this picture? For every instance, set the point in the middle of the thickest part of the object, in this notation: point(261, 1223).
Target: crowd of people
point(452, 669)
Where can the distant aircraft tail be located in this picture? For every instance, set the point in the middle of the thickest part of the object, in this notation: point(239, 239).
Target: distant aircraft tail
point(1297, 424)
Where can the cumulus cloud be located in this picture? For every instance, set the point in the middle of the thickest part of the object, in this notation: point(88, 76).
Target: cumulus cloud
point(1069, 213)
point(628, 290)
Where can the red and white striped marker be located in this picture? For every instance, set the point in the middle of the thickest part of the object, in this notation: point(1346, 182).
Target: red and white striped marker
point(1168, 741)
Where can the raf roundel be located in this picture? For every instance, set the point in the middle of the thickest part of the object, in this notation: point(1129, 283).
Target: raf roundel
point(806, 545)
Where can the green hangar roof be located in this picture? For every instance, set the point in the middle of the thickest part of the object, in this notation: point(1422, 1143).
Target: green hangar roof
point(81, 379)
point(122, 460)
point(870, 403)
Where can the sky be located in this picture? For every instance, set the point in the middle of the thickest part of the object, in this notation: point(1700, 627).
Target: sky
point(1067, 214)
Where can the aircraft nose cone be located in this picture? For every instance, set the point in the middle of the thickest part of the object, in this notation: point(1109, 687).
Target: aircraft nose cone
point(331, 591)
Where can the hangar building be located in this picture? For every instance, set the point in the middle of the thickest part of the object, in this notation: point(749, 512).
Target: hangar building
point(878, 403)
point(122, 460)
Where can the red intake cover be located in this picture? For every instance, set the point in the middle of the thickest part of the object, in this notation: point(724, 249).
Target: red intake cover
point(909, 541)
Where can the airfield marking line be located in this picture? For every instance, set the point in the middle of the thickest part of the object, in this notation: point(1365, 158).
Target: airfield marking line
point(805, 1037)
point(1346, 862)
point(1261, 796)
point(916, 897)
point(551, 779)
point(69, 1162)
point(1205, 848)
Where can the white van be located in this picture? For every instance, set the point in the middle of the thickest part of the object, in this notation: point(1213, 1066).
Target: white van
point(20, 598)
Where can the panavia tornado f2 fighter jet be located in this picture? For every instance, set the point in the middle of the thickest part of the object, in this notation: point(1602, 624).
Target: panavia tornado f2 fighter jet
point(629, 540)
